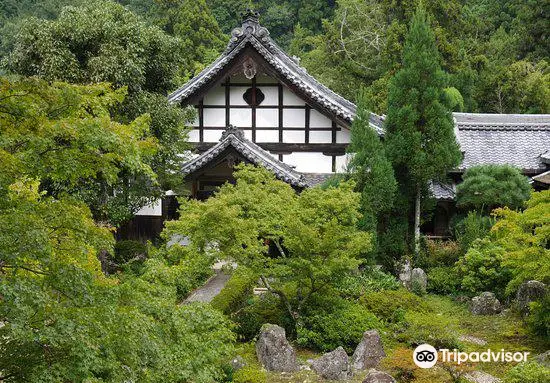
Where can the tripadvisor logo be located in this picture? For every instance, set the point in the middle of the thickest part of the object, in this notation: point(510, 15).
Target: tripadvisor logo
point(426, 356)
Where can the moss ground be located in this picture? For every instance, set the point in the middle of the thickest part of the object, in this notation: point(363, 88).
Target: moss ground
point(504, 331)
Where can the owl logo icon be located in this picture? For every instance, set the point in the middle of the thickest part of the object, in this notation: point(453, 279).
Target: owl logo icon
point(425, 356)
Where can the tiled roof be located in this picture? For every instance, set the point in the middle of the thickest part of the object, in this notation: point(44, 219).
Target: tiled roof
point(519, 140)
point(443, 191)
point(234, 137)
point(251, 33)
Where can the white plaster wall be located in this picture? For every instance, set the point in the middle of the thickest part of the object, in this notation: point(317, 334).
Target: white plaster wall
point(268, 118)
point(193, 135)
point(294, 118)
point(215, 96)
point(211, 135)
point(154, 208)
point(343, 136)
point(318, 120)
point(241, 118)
point(309, 162)
point(214, 117)
point(294, 136)
point(320, 137)
point(267, 136)
point(236, 95)
point(271, 94)
point(290, 98)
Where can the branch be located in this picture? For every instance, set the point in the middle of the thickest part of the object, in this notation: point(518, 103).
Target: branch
point(281, 295)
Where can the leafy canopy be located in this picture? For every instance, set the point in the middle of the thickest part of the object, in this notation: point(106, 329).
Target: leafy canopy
point(62, 319)
point(312, 235)
point(487, 187)
point(515, 250)
point(420, 132)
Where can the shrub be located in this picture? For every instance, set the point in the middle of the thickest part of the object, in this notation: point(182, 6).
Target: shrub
point(481, 269)
point(233, 296)
point(438, 253)
point(528, 373)
point(443, 280)
point(336, 322)
point(250, 374)
point(390, 305)
point(419, 328)
point(368, 280)
point(472, 227)
point(486, 187)
point(257, 311)
point(539, 318)
point(128, 250)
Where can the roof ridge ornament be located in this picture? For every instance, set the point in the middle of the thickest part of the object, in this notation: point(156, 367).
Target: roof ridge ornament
point(250, 14)
point(233, 130)
point(250, 28)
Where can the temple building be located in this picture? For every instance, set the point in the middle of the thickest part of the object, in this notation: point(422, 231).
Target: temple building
point(257, 104)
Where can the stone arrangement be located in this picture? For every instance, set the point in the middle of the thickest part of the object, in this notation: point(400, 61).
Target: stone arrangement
point(276, 354)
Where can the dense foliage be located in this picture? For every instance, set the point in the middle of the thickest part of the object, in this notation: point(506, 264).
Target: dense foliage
point(486, 187)
point(515, 250)
point(62, 319)
point(103, 41)
point(313, 235)
point(420, 139)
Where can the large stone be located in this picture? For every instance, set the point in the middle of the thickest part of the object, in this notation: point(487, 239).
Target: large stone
point(369, 351)
point(485, 304)
point(419, 280)
point(480, 377)
point(528, 292)
point(375, 376)
point(333, 365)
point(273, 350)
point(544, 359)
point(405, 274)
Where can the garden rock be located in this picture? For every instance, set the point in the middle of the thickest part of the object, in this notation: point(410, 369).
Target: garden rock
point(405, 274)
point(375, 376)
point(369, 351)
point(480, 377)
point(419, 280)
point(273, 350)
point(333, 365)
point(473, 340)
point(544, 359)
point(528, 292)
point(485, 304)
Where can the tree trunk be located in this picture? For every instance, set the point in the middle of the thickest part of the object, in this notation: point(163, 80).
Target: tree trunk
point(417, 222)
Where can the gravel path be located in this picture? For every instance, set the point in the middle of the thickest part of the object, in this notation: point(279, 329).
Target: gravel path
point(210, 289)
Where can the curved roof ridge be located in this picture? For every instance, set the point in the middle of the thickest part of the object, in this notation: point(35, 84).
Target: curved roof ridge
point(234, 137)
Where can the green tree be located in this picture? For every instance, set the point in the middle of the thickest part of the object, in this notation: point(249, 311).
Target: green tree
point(201, 39)
point(64, 136)
point(62, 319)
point(371, 170)
point(486, 187)
point(419, 137)
point(101, 41)
point(313, 234)
point(514, 251)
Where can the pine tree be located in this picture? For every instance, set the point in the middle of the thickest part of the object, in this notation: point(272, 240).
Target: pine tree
point(370, 168)
point(420, 137)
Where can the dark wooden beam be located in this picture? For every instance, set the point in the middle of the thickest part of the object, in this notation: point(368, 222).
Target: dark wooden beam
point(285, 148)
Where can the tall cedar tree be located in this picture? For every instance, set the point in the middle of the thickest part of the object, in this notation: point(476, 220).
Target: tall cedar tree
point(420, 137)
point(370, 168)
